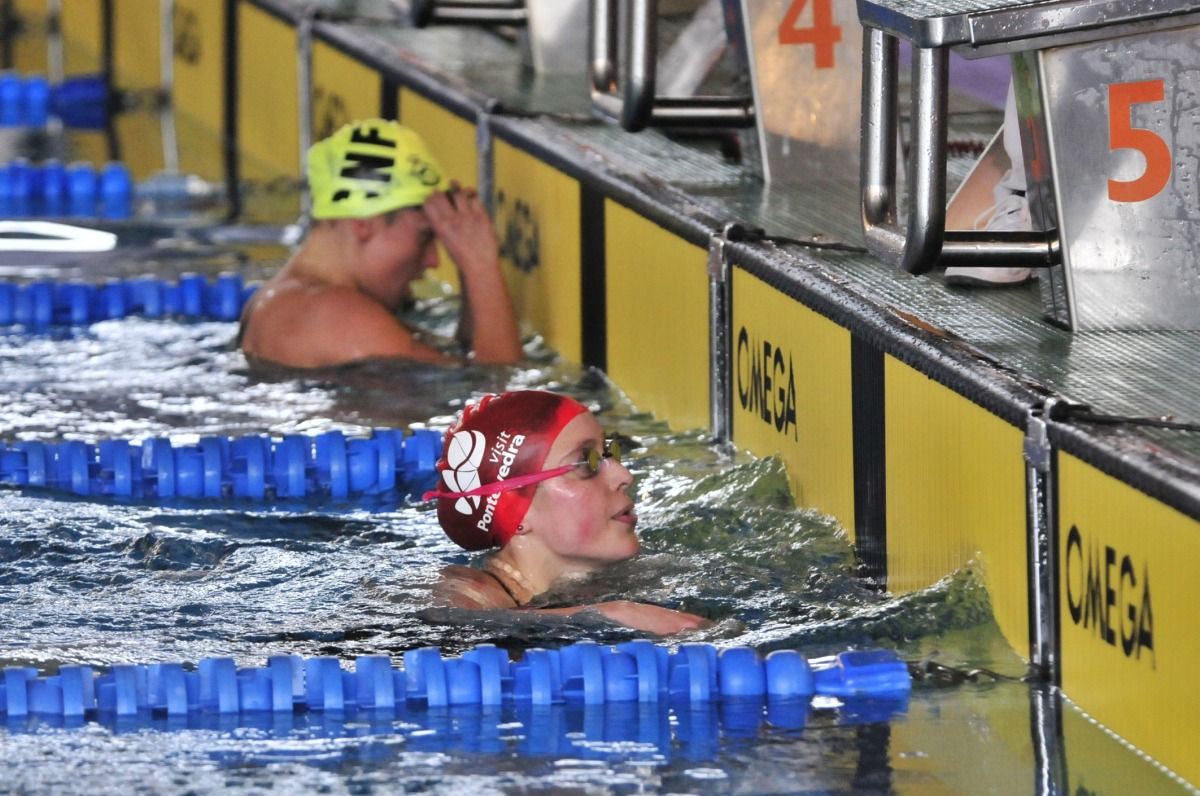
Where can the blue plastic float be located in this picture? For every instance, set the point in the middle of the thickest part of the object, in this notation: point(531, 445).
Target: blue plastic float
point(53, 190)
point(389, 462)
point(81, 102)
point(45, 303)
point(583, 673)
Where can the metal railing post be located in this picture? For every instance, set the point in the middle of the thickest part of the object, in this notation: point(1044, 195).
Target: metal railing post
point(718, 334)
point(880, 128)
point(304, 76)
point(170, 138)
point(1039, 546)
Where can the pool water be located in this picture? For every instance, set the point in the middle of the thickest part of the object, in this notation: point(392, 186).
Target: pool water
point(93, 582)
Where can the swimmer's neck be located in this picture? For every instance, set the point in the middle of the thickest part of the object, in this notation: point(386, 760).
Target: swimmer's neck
point(536, 568)
point(323, 257)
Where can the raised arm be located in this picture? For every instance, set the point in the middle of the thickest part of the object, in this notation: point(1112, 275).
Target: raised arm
point(461, 223)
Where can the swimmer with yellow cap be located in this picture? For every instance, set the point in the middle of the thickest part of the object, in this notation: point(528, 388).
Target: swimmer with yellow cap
point(380, 204)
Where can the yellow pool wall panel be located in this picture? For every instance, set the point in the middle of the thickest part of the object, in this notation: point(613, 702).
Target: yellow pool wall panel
point(30, 50)
point(452, 139)
point(1098, 762)
point(656, 316)
point(268, 109)
point(1128, 594)
point(82, 25)
point(137, 68)
point(344, 89)
point(790, 384)
point(199, 61)
point(955, 493)
point(537, 210)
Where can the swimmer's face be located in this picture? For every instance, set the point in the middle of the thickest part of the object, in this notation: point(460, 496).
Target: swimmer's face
point(586, 520)
point(395, 254)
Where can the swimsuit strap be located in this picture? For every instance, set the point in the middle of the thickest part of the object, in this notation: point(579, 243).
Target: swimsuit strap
point(497, 568)
point(504, 586)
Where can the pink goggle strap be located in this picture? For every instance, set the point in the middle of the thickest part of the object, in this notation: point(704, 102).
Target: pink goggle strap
point(509, 484)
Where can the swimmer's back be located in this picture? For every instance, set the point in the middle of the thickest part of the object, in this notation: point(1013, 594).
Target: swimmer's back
point(309, 325)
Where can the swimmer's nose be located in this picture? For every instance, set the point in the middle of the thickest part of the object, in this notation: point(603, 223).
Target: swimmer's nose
point(430, 259)
point(618, 474)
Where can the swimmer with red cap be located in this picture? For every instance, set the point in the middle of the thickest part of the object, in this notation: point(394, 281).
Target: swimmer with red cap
point(530, 472)
point(379, 208)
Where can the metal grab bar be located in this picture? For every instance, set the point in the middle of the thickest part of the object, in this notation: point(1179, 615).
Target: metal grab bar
point(925, 242)
point(635, 104)
point(466, 12)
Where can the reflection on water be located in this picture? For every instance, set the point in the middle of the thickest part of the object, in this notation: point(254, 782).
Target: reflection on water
point(101, 583)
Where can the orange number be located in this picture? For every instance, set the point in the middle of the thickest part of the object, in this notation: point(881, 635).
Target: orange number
point(822, 34)
point(1123, 135)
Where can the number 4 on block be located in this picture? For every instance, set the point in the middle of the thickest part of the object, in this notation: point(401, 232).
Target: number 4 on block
point(823, 35)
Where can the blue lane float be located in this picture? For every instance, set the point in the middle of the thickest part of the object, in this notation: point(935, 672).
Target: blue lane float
point(54, 190)
point(81, 102)
point(390, 462)
point(45, 303)
point(580, 674)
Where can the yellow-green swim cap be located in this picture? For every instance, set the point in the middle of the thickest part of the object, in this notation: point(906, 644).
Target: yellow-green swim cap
point(369, 167)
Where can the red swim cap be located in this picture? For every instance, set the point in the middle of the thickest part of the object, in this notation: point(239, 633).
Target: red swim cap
point(498, 438)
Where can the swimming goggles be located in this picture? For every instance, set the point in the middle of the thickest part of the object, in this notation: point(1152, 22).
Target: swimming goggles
point(587, 467)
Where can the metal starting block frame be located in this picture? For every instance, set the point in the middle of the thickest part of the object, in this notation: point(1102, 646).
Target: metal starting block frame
point(623, 73)
point(1117, 231)
point(552, 34)
point(467, 12)
point(805, 74)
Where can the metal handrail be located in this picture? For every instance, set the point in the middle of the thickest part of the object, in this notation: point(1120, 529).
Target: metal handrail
point(635, 104)
point(924, 242)
point(468, 12)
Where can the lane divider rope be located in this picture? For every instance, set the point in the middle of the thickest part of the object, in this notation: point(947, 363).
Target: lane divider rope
point(328, 465)
point(44, 303)
point(583, 673)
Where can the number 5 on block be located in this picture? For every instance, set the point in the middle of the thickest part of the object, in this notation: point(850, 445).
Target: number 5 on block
point(1123, 135)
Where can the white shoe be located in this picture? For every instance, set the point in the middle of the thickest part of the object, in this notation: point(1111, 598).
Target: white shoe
point(1010, 213)
point(988, 277)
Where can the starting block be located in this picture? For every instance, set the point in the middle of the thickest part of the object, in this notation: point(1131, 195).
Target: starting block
point(1105, 91)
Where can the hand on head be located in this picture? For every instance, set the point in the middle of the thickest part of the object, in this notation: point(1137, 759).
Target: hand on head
point(463, 226)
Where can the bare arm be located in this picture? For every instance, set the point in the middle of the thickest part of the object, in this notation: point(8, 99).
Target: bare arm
point(462, 225)
point(639, 616)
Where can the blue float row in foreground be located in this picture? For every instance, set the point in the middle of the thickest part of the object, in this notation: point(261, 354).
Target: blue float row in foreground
point(583, 673)
point(45, 303)
point(390, 461)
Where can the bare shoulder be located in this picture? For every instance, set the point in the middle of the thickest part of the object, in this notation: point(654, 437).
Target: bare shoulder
point(306, 325)
point(467, 587)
